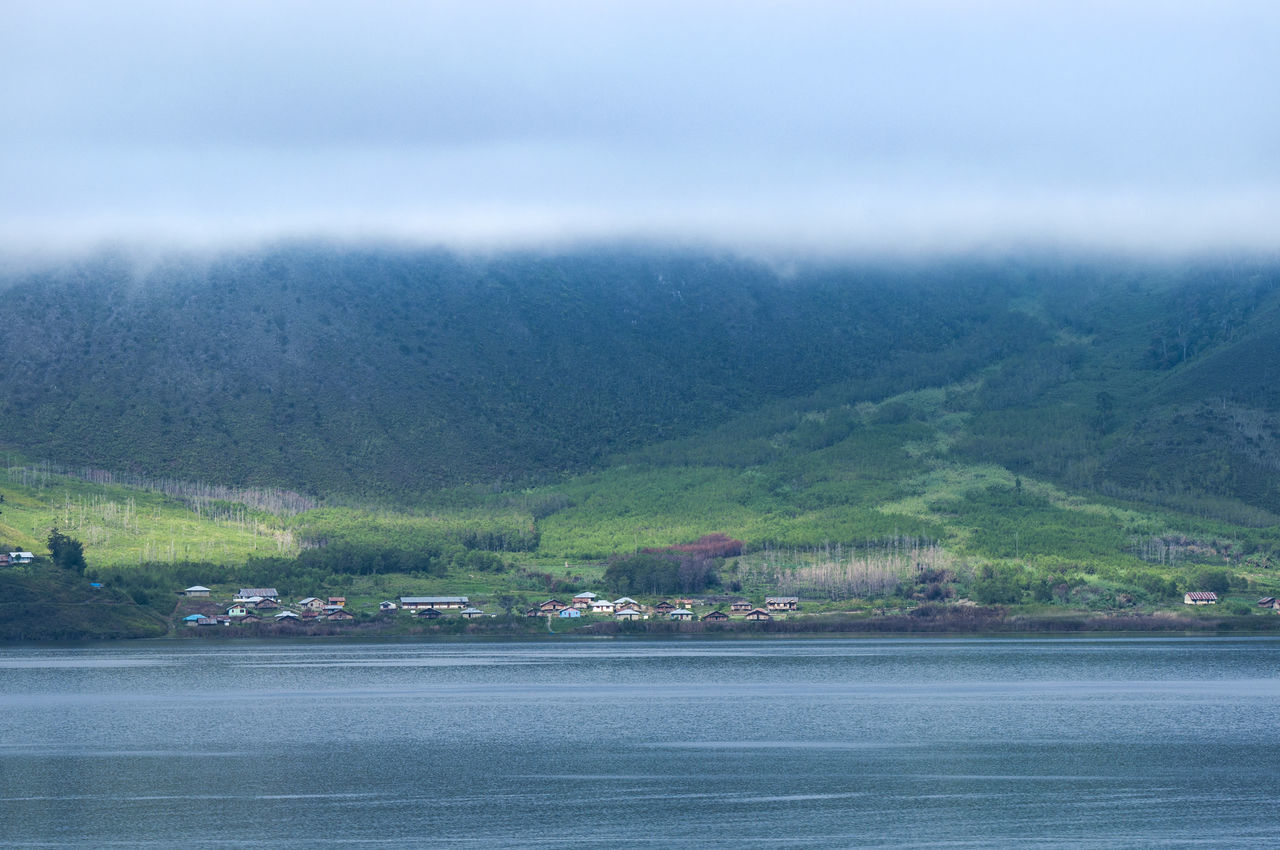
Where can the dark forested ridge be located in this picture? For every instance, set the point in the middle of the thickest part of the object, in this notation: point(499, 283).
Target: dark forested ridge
point(391, 372)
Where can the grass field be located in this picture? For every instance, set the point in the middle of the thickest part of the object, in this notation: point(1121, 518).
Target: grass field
point(843, 479)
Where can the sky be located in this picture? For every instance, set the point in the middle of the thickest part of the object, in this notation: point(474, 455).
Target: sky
point(910, 126)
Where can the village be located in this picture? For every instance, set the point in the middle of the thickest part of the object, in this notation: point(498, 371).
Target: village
point(263, 605)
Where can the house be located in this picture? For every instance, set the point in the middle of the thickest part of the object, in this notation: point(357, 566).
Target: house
point(586, 598)
point(758, 615)
point(681, 614)
point(569, 613)
point(429, 614)
point(329, 609)
point(663, 607)
point(340, 601)
point(21, 557)
point(741, 606)
point(193, 619)
point(238, 610)
point(386, 606)
point(602, 606)
point(5, 560)
point(287, 617)
point(627, 614)
point(782, 603)
point(1200, 597)
point(533, 612)
point(1269, 602)
point(266, 605)
point(715, 617)
point(249, 618)
point(312, 604)
point(247, 593)
point(440, 603)
point(551, 606)
point(195, 590)
point(625, 602)
point(339, 614)
point(212, 621)
point(472, 613)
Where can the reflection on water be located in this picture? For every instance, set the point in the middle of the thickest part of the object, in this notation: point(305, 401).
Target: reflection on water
point(963, 743)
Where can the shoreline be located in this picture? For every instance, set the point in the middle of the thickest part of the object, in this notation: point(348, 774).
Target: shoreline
point(980, 622)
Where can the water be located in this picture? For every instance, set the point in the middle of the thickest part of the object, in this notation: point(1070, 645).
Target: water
point(831, 743)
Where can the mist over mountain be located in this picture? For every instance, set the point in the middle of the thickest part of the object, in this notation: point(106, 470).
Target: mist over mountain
point(388, 372)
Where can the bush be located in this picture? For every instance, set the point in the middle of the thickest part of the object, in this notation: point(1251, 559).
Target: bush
point(1217, 581)
point(999, 585)
point(658, 573)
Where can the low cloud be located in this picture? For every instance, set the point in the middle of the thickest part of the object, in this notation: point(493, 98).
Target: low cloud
point(832, 127)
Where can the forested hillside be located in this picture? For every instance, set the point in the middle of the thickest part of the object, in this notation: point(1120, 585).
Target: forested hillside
point(391, 372)
point(388, 373)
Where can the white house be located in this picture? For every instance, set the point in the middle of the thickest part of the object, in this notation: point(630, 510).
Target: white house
point(418, 603)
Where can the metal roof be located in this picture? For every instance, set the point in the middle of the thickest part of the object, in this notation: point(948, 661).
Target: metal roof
point(432, 600)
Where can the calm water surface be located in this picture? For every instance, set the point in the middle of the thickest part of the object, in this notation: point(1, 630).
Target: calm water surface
point(836, 743)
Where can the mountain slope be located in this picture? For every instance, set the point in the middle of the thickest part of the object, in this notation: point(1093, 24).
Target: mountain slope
point(389, 373)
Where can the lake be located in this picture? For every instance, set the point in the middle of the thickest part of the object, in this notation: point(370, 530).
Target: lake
point(912, 742)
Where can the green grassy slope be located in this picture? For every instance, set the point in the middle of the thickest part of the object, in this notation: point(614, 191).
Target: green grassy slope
point(45, 603)
point(1082, 432)
point(128, 526)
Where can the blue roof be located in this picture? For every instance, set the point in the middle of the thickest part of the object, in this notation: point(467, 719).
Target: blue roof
point(194, 617)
